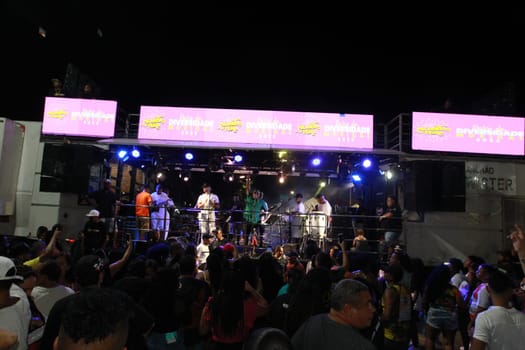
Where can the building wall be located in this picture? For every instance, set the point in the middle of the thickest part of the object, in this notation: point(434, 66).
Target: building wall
point(482, 229)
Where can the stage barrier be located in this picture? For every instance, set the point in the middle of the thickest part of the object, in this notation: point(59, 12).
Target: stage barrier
point(273, 229)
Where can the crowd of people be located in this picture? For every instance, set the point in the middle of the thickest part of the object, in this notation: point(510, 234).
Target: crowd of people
point(177, 295)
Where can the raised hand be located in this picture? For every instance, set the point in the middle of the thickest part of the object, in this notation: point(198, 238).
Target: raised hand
point(517, 237)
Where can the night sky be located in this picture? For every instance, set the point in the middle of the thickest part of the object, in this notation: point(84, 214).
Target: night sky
point(322, 60)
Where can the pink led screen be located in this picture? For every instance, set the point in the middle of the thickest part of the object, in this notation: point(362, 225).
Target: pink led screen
point(79, 117)
point(253, 128)
point(468, 133)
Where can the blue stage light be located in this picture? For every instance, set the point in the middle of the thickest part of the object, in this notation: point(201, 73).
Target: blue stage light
point(356, 178)
point(237, 158)
point(188, 156)
point(122, 153)
point(316, 161)
point(367, 163)
point(135, 153)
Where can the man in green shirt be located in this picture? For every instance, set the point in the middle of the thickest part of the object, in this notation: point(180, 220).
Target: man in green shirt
point(252, 212)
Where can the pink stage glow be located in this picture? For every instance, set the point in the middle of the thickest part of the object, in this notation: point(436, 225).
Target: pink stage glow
point(256, 129)
point(79, 117)
point(468, 133)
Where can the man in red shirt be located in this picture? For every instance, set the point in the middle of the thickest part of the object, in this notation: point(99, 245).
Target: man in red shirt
point(143, 203)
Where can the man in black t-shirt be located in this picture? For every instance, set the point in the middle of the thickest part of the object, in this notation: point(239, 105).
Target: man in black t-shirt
point(390, 222)
point(351, 310)
point(219, 240)
point(235, 219)
point(107, 203)
point(94, 234)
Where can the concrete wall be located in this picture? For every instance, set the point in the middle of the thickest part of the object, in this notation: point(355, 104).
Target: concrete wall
point(481, 229)
point(11, 144)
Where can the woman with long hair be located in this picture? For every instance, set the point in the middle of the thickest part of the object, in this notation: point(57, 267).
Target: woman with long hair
point(466, 289)
point(441, 301)
point(230, 315)
point(311, 298)
point(246, 267)
point(278, 254)
point(215, 265)
point(279, 306)
point(271, 276)
point(162, 303)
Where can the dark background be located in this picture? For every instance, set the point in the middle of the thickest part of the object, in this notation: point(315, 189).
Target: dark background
point(307, 58)
point(382, 61)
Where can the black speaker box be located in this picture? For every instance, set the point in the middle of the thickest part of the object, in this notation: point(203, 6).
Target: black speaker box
point(435, 186)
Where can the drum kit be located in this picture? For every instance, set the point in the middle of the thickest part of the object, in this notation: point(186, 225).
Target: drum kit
point(299, 227)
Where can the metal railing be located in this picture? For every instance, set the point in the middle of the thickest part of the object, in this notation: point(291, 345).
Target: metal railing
point(269, 229)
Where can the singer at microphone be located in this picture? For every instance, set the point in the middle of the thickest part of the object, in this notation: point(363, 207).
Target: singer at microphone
point(207, 202)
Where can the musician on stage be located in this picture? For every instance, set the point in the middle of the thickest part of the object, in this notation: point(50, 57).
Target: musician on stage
point(235, 220)
point(160, 216)
point(255, 206)
point(207, 202)
point(296, 219)
point(324, 206)
point(299, 205)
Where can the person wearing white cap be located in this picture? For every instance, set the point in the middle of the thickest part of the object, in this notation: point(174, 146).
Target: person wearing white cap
point(94, 236)
point(15, 314)
point(207, 203)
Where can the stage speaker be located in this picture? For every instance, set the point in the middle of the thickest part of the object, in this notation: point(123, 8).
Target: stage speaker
point(435, 186)
point(453, 187)
point(66, 167)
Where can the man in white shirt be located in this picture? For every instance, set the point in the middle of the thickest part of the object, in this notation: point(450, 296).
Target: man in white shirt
point(324, 206)
point(15, 314)
point(49, 291)
point(500, 327)
point(160, 216)
point(299, 205)
point(203, 249)
point(207, 202)
point(297, 217)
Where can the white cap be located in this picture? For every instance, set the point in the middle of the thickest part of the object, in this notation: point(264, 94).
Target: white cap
point(8, 270)
point(93, 212)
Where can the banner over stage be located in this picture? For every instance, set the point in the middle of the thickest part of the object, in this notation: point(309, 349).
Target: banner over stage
point(272, 129)
point(467, 133)
point(79, 117)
